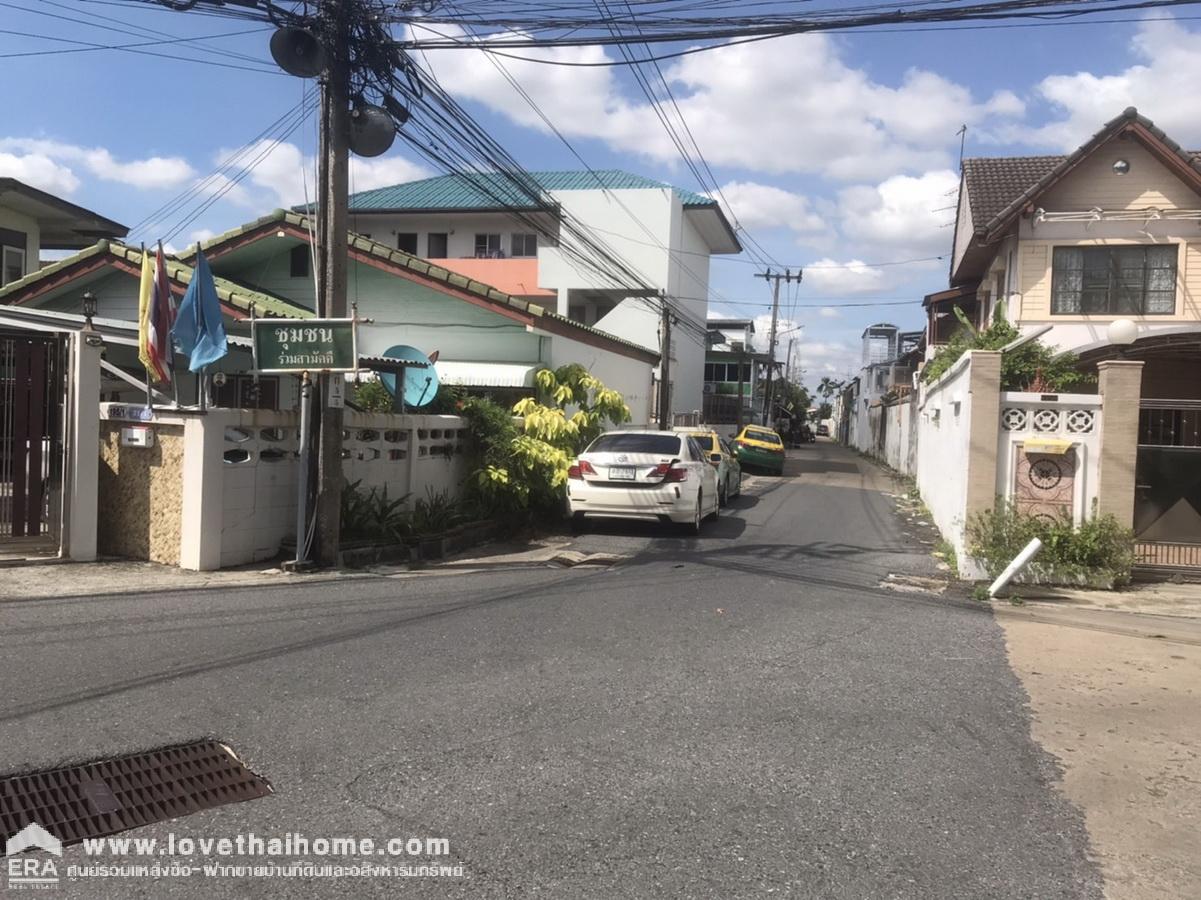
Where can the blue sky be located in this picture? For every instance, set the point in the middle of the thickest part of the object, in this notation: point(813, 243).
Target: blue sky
point(837, 152)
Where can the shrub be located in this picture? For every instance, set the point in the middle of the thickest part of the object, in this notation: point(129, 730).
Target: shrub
point(1098, 546)
point(1032, 366)
point(370, 516)
point(524, 468)
point(372, 396)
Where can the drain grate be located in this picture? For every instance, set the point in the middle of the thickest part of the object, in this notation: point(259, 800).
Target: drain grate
point(112, 795)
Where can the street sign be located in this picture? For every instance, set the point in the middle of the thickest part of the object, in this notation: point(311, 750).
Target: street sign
point(305, 345)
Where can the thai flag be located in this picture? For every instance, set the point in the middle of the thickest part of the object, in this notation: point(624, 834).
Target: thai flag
point(161, 315)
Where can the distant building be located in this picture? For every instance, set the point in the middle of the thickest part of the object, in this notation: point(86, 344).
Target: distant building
point(879, 343)
point(480, 227)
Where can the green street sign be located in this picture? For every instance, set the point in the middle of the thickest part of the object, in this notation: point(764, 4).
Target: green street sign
point(305, 345)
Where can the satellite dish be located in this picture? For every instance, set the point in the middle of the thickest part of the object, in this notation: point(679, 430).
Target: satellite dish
point(371, 130)
point(297, 52)
point(418, 386)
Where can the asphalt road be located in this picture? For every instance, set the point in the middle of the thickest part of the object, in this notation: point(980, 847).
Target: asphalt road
point(741, 714)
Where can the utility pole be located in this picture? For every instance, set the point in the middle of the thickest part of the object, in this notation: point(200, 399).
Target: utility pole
point(333, 200)
point(741, 380)
point(771, 349)
point(664, 365)
point(788, 360)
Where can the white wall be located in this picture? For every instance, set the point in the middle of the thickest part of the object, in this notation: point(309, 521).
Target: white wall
point(460, 228)
point(944, 430)
point(629, 376)
point(405, 455)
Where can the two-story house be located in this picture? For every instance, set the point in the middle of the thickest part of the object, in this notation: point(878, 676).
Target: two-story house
point(480, 229)
point(32, 221)
point(1110, 233)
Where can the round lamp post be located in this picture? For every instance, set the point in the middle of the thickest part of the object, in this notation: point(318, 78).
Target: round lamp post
point(1122, 333)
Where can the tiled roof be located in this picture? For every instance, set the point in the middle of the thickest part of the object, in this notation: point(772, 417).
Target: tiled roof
point(428, 271)
point(998, 188)
point(993, 183)
point(494, 191)
point(228, 292)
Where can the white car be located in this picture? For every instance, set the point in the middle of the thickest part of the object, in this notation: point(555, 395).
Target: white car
point(658, 476)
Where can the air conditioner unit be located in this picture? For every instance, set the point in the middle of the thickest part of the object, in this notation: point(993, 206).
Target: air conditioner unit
point(708, 388)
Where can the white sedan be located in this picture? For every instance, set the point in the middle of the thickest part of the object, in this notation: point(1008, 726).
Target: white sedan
point(658, 476)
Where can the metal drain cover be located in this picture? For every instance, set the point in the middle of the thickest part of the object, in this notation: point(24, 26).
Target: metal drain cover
point(112, 795)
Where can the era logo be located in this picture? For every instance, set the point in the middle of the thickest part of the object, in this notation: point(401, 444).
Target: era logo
point(32, 871)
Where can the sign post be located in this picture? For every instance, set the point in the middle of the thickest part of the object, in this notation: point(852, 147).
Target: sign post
point(292, 346)
point(300, 347)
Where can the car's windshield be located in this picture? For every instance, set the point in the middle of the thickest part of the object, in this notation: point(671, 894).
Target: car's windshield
point(766, 437)
point(616, 442)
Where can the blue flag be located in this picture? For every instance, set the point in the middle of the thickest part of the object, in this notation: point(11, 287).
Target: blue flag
point(199, 331)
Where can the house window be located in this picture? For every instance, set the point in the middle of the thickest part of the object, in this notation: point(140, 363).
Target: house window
point(709, 372)
point(406, 242)
point(298, 262)
point(487, 246)
point(12, 266)
point(435, 245)
point(1113, 280)
point(524, 245)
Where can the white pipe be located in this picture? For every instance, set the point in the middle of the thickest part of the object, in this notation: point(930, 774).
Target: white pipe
point(1011, 571)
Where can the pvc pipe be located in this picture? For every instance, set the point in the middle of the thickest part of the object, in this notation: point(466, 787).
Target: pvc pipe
point(1019, 562)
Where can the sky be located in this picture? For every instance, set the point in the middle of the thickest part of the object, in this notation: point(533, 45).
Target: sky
point(838, 153)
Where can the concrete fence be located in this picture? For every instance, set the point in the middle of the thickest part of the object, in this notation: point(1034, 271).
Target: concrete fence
point(1049, 455)
point(219, 489)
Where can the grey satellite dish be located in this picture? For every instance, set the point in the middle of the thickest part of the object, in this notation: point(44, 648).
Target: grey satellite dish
point(371, 130)
point(297, 52)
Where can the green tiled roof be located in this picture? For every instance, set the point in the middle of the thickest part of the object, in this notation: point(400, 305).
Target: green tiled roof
point(494, 191)
point(423, 268)
point(228, 292)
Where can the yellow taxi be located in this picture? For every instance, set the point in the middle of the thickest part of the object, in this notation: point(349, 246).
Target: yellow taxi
point(760, 448)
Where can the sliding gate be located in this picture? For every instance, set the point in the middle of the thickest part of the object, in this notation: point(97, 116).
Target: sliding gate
point(32, 390)
point(1167, 506)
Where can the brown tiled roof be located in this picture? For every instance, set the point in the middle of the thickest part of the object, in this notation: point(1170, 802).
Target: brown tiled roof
point(999, 188)
point(993, 183)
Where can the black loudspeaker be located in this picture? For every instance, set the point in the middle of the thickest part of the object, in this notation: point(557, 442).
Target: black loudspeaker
point(297, 52)
point(371, 130)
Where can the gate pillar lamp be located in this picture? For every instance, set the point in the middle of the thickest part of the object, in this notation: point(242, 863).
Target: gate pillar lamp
point(1122, 333)
point(91, 337)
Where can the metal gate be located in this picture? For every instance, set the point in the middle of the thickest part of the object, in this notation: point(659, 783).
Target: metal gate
point(32, 389)
point(1167, 506)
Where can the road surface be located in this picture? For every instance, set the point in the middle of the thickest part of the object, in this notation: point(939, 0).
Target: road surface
point(747, 713)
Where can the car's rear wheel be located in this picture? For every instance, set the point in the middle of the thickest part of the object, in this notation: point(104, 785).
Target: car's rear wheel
point(694, 527)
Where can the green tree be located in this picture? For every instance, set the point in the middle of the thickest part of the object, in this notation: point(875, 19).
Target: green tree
point(525, 468)
point(824, 412)
point(828, 387)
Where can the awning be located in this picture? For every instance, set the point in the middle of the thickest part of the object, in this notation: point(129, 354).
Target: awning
point(486, 374)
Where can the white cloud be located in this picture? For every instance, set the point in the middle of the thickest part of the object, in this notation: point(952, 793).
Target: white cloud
point(151, 173)
point(764, 206)
point(829, 312)
point(829, 276)
point(39, 171)
point(903, 214)
point(787, 105)
point(1162, 84)
point(284, 174)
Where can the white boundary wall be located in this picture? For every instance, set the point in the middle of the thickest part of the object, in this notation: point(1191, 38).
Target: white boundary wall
point(240, 469)
point(943, 434)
